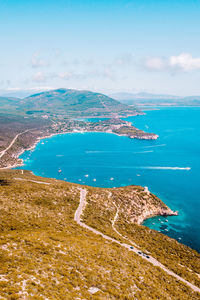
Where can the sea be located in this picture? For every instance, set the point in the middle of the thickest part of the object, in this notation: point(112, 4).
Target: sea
point(168, 166)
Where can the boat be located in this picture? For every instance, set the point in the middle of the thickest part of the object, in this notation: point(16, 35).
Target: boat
point(59, 170)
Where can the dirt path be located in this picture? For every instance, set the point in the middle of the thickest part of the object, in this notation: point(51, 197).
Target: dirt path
point(12, 142)
point(40, 182)
point(113, 226)
point(155, 262)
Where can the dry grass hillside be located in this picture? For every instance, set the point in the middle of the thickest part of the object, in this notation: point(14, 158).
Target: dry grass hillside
point(45, 254)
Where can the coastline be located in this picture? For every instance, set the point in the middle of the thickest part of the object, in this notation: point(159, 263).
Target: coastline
point(20, 164)
point(145, 215)
point(38, 139)
point(162, 213)
point(109, 116)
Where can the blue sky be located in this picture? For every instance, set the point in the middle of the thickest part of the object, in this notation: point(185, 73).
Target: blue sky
point(105, 46)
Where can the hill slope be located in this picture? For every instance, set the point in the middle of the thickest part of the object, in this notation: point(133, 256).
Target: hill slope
point(73, 103)
point(45, 254)
point(9, 104)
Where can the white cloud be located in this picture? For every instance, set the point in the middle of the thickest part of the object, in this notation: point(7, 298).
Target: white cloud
point(37, 62)
point(39, 77)
point(155, 63)
point(44, 77)
point(182, 62)
point(185, 61)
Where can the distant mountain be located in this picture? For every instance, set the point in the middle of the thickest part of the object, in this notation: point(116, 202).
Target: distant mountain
point(20, 93)
point(17, 94)
point(193, 98)
point(142, 95)
point(74, 103)
point(140, 99)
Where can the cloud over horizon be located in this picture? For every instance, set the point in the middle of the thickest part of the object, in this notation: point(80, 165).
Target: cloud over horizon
point(182, 62)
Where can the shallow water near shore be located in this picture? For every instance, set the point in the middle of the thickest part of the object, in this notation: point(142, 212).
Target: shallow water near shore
point(107, 160)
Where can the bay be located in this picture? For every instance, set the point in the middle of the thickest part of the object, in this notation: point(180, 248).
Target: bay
point(168, 166)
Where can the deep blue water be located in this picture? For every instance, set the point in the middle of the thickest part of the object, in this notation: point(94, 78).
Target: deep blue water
point(110, 160)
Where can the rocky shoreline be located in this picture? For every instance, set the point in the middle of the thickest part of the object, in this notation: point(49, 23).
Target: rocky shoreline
point(157, 211)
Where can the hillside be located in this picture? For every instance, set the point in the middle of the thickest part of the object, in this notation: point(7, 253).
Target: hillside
point(74, 103)
point(9, 105)
point(46, 254)
point(11, 125)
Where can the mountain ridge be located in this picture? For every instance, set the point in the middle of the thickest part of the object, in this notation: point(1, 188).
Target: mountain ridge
point(142, 95)
point(68, 103)
point(76, 102)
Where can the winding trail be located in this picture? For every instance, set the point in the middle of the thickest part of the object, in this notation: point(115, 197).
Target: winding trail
point(155, 262)
point(35, 181)
point(113, 226)
point(12, 142)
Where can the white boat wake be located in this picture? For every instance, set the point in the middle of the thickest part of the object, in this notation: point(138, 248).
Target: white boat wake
point(153, 146)
point(165, 168)
point(131, 152)
point(153, 168)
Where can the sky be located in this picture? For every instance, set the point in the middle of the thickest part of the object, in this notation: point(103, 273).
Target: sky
point(105, 46)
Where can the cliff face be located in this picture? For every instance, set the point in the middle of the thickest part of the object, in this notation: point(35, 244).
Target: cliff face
point(152, 211)
point(139, 204)
point(135, 203)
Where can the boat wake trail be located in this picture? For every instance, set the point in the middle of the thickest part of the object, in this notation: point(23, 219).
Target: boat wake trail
point(153, 146)
point(131, 152)
point(154, 168)
point(165, 168)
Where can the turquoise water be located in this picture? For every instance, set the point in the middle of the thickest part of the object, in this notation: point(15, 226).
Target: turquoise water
point(107, 160)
